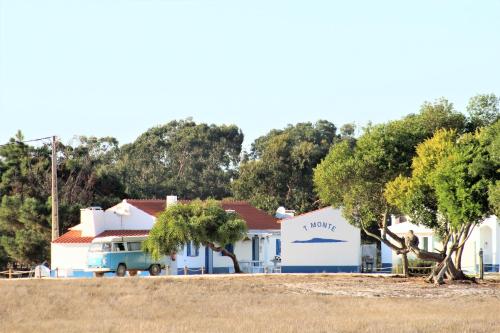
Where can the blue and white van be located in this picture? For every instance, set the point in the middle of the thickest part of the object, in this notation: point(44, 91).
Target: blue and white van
point(122, 254)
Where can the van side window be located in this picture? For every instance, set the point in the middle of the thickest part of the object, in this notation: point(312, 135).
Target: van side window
point(118, 247)
point(134, 246)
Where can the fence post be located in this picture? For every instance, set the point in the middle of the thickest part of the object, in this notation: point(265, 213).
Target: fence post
point(202, 270)
point(481, 266)
point(10, 273)
point(185, 270)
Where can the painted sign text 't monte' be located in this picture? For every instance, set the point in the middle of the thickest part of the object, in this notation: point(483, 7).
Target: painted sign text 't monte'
point(319, 224)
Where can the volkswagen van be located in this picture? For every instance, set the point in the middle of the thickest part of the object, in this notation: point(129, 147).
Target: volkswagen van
point(121, 254)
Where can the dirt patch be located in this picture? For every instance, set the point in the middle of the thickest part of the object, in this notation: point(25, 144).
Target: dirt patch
point(393, 287)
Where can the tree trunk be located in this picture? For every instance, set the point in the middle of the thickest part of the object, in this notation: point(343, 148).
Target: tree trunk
point(406, 273)
point(233, 258)
point(458, 258)
point(226, 253)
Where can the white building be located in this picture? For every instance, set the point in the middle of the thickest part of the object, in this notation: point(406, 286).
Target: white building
point(136, 218)
point(485, 236)
point(320, 241)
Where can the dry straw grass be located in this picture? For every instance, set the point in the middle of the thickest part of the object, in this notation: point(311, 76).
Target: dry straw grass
point(278, 303)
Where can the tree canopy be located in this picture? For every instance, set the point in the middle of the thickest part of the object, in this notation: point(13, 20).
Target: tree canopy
point(201, 222)
point(354, 174)
point(447, 191)
point(278, 170)
point(181, 157)
point(84, 179)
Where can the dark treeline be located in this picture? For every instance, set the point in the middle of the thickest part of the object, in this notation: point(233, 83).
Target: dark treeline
point(185, 158)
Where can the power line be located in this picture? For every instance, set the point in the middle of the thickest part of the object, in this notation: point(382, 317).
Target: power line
point(25, 141)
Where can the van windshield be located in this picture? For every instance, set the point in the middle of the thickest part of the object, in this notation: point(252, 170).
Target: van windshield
point(100, 247)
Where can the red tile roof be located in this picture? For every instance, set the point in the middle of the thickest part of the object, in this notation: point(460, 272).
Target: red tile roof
point(123, 233)
point(73, 236)
point(254, 217)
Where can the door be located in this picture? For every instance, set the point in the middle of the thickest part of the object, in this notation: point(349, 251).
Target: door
point(209, 260)
point(486, 239)
point(255, 248)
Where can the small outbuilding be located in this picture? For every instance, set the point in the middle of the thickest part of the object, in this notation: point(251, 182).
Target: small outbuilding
point(320, 241)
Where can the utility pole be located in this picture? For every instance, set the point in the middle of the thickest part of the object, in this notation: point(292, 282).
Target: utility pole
point(55, 202)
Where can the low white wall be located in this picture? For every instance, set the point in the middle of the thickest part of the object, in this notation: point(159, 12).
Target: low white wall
point(69, 256)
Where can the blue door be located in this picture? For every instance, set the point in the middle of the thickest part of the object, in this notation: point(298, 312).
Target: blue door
point(209, 260)
point(255, 248)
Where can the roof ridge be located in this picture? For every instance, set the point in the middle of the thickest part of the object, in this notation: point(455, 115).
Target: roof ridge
point(306, 213)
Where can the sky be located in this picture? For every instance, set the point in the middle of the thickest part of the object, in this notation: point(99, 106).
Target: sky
point(118, 67)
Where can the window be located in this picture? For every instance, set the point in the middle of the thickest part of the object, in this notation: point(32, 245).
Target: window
point(426, 243)
point(229, 248)
point(96, 247)
point(192, 250)
point(134, 246)
point(118, 247)
point(278, 247)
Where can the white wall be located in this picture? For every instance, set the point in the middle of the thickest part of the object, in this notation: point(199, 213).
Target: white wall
point(91, 222)
point(69, 255)
point(122, 216)
point(332, 226)
point(242, 250)
point(135, 219)
point(485, 236)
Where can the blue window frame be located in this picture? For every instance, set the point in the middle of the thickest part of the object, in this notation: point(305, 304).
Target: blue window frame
point(229, 248)
point(278, 247)
point(189, 250)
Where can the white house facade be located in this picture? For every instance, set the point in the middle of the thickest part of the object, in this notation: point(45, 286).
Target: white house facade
point(136, 217)
point(485, 237)
point(320, 241)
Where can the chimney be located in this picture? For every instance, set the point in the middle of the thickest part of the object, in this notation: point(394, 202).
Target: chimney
point(283, 213)
point(171, 200)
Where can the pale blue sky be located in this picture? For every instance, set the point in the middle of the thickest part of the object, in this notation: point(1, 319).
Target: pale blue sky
point(110, 67)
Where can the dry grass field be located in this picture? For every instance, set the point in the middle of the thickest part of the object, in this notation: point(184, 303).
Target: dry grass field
point(245, 303)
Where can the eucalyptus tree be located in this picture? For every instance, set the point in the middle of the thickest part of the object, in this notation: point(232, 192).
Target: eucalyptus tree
point(201, 222)
point(483, 110)
point(278, 170)
point(182, 157)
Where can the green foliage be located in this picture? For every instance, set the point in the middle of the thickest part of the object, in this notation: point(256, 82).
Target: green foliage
point(449, 185)
point(203, 222)
point(483, 110)
point(353, 176)
point(279, 169)
point(182, 157)
point(490, 138)
point(84, 179)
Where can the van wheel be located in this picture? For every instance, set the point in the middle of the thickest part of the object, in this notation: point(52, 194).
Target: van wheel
point(154, 270)
point(98, 274)
point(121, 270)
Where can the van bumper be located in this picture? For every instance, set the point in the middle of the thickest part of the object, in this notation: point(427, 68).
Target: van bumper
point(97, 270)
